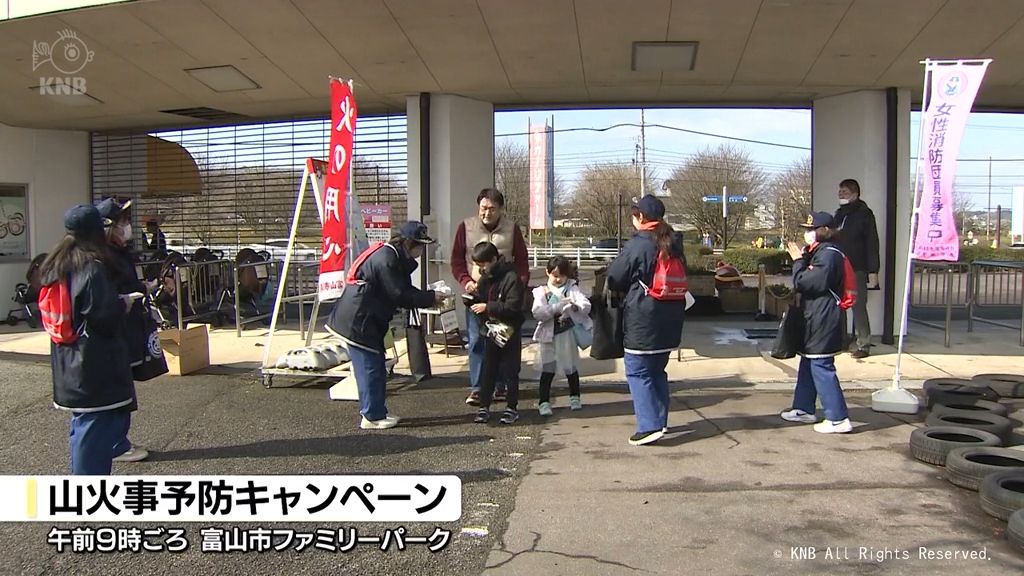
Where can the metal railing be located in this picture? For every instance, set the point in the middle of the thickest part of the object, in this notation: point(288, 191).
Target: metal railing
point(540, 254)
point(996, 284)
point(251, 282)
point(939, 284)
point(303, 284)
point(203, 287)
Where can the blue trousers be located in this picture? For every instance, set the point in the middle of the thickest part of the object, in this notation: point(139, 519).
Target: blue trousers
point(92, 439)
point(817, 377)
point(648, 385)
point(124, 444)
point(371, 378)
point(476, 355)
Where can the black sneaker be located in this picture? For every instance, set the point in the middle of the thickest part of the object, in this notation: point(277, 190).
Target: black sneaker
point(509, 416)
point(482, 416)
point(641, 438)
point(858, 354)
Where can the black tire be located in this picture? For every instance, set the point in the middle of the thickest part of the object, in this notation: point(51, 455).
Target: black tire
point(1015, 530)
point(978, 406)
point(967, 467)
point(1006, 385)
point(956, 391)
point(32, 322)
point(11, 321)
point(992, 423)
point(931, 445)
point(1002, 493)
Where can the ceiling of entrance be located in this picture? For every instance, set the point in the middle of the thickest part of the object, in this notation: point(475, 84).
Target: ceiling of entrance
point(515, 53)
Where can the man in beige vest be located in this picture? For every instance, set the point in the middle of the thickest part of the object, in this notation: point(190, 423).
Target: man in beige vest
point(491, 225)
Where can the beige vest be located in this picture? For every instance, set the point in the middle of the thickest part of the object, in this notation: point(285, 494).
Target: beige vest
point(503, 236)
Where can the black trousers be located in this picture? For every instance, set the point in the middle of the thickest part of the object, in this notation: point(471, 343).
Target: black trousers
point(501, 364)
point(546, 378)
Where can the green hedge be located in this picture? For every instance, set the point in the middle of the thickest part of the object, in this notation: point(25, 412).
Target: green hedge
point(972, 253)
point(746, 260)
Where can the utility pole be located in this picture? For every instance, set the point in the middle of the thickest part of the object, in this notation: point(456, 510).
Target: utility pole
point(988, 210)
point(618, 220)
point(643, 155)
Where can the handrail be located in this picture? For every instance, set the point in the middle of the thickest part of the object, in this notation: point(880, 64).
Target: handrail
point(1009, 283)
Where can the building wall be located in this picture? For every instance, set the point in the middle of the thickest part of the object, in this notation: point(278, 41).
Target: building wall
point(54, 164)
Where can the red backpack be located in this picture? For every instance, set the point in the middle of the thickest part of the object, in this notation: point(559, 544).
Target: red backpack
point(849, 297)
point(57, 313)
point(350, 278)
point(669, 283)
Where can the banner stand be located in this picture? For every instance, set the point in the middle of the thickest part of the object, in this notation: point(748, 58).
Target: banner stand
point(894, 398)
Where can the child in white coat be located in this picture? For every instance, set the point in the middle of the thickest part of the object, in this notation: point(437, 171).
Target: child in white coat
point(559, 307)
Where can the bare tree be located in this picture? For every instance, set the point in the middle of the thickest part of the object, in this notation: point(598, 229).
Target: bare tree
point(790, 198)
point(704, 175)
point(512, 177)
point(600, 189)
point(963, 205)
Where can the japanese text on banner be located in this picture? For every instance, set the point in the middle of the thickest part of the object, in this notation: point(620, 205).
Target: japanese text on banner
point(335, 227)
point(953, 89)
point(231, 498)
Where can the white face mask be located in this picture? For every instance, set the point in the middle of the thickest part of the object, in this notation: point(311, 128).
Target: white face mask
point(810, 237)
point(844, 201)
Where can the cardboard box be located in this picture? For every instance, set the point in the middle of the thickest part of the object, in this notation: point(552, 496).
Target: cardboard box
point(186, 351)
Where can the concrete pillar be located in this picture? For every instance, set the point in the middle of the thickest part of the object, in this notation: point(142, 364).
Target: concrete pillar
point(865, 135)
point(460, 162)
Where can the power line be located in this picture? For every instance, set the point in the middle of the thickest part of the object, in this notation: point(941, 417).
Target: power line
point(674, 128)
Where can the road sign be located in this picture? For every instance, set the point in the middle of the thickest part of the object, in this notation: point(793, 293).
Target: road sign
point(736, 199)
point(711, 198)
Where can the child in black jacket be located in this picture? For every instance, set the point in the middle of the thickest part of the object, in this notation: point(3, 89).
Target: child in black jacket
point(502, 299)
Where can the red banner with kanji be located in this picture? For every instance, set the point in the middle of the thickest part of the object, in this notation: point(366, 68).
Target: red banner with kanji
point(335, 227)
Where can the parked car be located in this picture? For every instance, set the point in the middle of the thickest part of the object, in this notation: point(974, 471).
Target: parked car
point(278, 248)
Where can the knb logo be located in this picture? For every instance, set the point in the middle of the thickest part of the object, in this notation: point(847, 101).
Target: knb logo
point(68, 54)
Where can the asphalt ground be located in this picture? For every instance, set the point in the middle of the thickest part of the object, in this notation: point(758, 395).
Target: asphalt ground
point(230, 424)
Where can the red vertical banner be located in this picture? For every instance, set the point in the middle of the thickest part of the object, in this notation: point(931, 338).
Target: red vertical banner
point(335, 227)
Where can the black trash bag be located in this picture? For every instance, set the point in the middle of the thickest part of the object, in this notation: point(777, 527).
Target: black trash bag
point(416, 344)
point(608, 332)
point(153, 362)
point(790, 339)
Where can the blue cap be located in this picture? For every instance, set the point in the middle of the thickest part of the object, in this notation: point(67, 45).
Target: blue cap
point(110, 209)
point(83, 219)
point(819, 220)
point(415, 231)
point(650, 206)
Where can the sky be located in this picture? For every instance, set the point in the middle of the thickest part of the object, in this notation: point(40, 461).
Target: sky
point(1000, 136)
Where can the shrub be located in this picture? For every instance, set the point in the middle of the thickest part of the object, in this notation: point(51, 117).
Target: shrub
point(972, 253)
point(746, 260)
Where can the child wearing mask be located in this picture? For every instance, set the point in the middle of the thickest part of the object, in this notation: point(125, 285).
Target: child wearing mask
point(501, 297)
point(559, 307)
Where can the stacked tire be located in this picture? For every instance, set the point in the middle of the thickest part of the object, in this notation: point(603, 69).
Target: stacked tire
point(965, 431)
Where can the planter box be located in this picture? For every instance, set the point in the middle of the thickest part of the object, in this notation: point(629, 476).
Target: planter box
point(702, 285)
point(186, 350)
point(775, 306)
point(739, 301)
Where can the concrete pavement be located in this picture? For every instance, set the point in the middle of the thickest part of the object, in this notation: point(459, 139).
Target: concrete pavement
point(729, 489)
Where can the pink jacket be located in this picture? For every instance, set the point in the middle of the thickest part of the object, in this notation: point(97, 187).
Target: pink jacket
point(545, 313)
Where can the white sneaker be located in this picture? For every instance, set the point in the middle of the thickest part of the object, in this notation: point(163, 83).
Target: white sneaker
point(830, 427)
point(544, 408)
point(797, 415)
point(574, 403)
point(382, 424)
point(134, 454)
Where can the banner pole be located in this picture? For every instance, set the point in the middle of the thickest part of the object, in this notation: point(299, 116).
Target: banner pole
point(915, 216)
